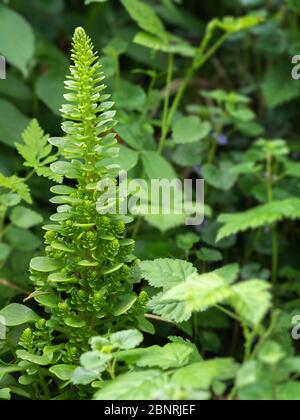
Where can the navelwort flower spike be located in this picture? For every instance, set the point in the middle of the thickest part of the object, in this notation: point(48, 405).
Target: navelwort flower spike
point(85, 281)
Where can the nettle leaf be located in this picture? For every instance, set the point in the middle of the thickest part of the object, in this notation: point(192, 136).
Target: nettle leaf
point(166, 273)
point(25, 218)
point(190, 130)
point(260, 216)
point(141, 385)
point(17, 42)
point(12, 123)
point(221, 176)
point(199, 292)
point(171, 311)
point(201, 375)
point(16, 314)
point(251, 300)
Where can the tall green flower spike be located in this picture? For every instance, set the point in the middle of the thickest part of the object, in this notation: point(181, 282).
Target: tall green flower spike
point(86, 279)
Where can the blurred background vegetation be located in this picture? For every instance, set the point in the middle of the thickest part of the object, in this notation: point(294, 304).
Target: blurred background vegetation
point(35, 38)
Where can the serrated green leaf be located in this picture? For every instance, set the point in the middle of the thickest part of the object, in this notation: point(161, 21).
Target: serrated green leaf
point(260, 216)
point(199, 292)
point(166, 273)
point(251, 300)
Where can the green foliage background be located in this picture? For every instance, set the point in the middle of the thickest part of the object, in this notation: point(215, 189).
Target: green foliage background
point(243, 92)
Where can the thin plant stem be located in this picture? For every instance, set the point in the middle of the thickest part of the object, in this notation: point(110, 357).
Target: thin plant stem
point(166, 103)
point(182, 89)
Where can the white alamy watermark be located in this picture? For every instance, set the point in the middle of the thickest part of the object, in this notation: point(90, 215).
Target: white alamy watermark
point(2, 328)
point(2, 67)
point(139, 197)
point(296, 328)
point(296, 67)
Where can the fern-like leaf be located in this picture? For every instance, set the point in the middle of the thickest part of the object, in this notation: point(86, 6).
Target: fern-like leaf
point(16, 185)
point(36, 151)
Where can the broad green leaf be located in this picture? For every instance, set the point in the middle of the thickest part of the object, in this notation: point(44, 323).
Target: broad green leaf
point(44, 264)
point(129, 97)
point(251, 300)
point(172, 355)
point(5, 250)
point(15, 87)
point(260, 216)
point(127, 158)
point(125, 302)
point(271, 353)
point(229, 272)
point(25, 218)
point(127, 339)
point(201, 375)
point(141, 385)
point(278, 86)
point(166, 273)
point(43, 360)
point(145, 17)
point(21, 239)
point(16, 314)
point(82, 376)
point(16, 39)
point(63, 372)
point(5, 394)
point(137, 135)
point(157, 167)
point(172, 311)
point(221, 176)
point(12, 123)
point(199, 292)
point(190, 130)
point(207, 254)
point(50, 89)
point(289, 391)
point(7, 369)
